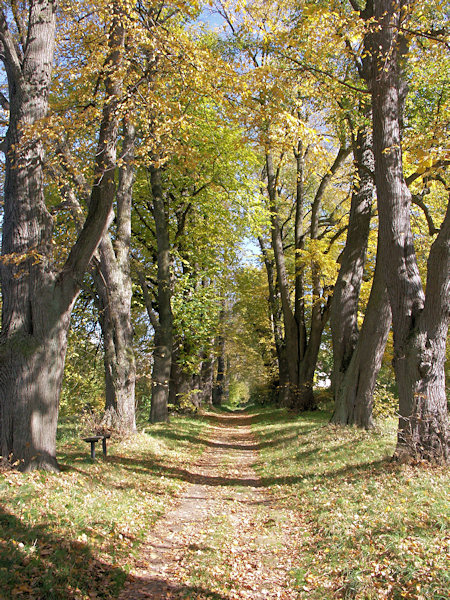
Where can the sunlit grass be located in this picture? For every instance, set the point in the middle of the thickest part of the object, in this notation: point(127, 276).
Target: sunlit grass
point(350, 523)
point(76, 534)
point(368, 528)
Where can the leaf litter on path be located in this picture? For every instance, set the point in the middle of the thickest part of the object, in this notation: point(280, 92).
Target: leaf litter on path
point(226, 539)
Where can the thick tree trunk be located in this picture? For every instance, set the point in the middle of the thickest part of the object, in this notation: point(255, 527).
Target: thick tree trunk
point(344, 306)
point(162, 356)
point(114, 286)
point(354, 396)
point(37, 300)
point(420, 324)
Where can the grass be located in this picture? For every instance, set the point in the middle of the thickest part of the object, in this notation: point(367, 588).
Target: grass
point(76, 534)
point(344, 520)
point(367, 527)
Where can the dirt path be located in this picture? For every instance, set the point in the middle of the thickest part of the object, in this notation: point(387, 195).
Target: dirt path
point(225, 539)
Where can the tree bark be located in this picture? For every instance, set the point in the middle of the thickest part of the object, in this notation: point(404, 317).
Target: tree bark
point(420, 323)
point(354, 375)
point(162, 356)
point(37, 299)
point(354, 396)
point(113, 283)
point(282, 391)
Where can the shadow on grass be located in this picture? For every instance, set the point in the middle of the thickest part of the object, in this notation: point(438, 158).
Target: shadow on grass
point(39, 565)
point(138, 466)
point(282, 430)
point(172, 435)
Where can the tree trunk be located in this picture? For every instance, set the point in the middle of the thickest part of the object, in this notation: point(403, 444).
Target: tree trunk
point(219, 384)
point(180, 381)
point(207, 380)
point(344, 306)
point(277, 329)
point(114, 286)
point(420, 324)
point(354, 396)
point(162, 356)
point(37, 300)
point(291, 334)
point(299, 240)
point(304, 399)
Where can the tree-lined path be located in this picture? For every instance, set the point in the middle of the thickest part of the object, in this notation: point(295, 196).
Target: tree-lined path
point(211, 205)
point(224, 499)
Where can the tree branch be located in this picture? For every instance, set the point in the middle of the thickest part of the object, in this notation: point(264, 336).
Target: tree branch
point(11, 53)
point(418, 201)
point(411, 178)
point(4, 102)
point(154, 320)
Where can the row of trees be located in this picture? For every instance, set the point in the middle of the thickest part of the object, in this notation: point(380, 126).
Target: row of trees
point(141, 150)
point(333, 83)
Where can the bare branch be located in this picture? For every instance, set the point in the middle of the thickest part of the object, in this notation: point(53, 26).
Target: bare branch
point(310, 68)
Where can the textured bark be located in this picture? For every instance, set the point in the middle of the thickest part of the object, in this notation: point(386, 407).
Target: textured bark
point(37, 300)
point(354, 396)
point(162, 356)
point(113, 283)
point(357, 357)
point(420, 324)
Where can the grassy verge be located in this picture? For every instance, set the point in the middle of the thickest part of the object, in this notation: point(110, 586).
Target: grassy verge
point(366, 528)
point(75, 535)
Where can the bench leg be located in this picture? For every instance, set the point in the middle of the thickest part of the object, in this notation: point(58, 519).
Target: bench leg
point(104, 446)
point(93, 450)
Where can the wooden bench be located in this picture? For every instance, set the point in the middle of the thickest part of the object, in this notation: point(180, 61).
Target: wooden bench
point(93, 439)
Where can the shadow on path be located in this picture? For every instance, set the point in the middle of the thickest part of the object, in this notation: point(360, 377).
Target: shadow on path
point(156, 588)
